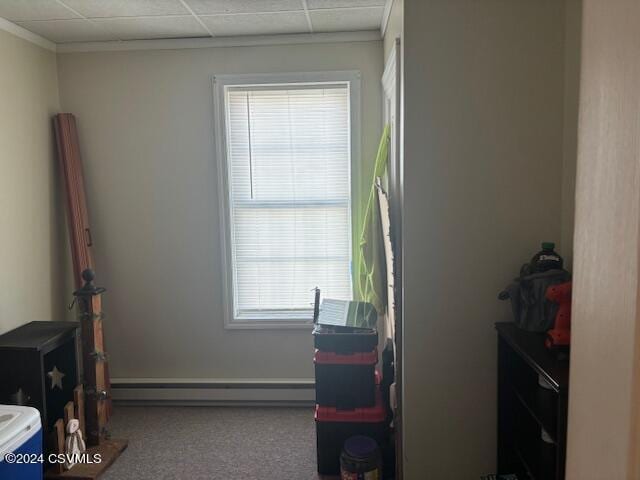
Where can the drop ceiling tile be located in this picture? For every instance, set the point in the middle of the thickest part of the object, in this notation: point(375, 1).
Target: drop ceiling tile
point(257, 24)
point(319, 4)
point(204, 7)
point(21, 10)
point(64, 31)
point(344, 20)
point(126, 8)
point(140, 28)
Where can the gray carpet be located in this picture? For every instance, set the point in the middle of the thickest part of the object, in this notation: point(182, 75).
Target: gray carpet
point(214, 443)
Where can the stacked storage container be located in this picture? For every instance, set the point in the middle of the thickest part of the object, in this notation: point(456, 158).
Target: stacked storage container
point(349, 400)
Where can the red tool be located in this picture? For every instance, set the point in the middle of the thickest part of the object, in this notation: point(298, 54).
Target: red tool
point(560, 335)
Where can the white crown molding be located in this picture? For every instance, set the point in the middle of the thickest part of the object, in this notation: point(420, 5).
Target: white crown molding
point(385, 17)
point(25, 34)
point(239, 41)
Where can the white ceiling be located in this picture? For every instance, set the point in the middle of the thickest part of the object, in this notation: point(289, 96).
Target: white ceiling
point(65, 21)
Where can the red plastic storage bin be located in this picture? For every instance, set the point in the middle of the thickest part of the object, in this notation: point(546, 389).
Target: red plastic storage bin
point(334, 426)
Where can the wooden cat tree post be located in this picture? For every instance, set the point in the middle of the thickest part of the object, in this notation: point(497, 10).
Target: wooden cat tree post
point(96, 389)
point(94, 359)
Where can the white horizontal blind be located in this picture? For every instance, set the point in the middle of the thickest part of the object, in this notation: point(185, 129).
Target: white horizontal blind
point(288, 153)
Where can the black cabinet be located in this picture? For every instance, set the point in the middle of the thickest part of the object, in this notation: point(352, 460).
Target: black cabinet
point(533, 386)
point(39, 367)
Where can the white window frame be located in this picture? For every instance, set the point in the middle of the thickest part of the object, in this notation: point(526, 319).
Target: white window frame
point(220, 84)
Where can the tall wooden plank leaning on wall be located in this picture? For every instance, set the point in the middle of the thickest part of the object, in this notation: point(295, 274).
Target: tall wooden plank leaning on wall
point(80, 239)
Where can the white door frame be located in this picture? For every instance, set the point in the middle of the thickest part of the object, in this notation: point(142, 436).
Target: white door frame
point(392, 114)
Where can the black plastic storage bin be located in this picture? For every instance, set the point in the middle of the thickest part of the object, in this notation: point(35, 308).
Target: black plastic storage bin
point(335, 426)
point(344, 339)
point(388, 375)
point(346, 381)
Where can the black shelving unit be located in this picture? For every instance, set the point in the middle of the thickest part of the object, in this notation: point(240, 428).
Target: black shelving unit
point(533, 387)
point(27, 356)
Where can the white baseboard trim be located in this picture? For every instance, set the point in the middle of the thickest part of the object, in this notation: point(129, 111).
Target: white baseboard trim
point(213, 392)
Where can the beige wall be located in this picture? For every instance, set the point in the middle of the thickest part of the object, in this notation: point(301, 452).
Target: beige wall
point(394, 26)
point(572, 39)
point(483, 153)
point(604, 394)
point(146, 131)
point(31, 225)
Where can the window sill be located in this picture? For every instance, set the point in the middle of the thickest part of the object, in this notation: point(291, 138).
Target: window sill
point(288, 324)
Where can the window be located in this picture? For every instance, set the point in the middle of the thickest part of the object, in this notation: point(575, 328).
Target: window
point(286, 166)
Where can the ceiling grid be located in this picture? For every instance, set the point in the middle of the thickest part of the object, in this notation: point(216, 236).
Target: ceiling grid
point(73, 21)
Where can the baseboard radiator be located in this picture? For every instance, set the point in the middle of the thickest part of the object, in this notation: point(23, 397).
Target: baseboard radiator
point(198, 392)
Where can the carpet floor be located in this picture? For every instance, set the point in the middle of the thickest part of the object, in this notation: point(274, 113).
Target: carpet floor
point(214, 443)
